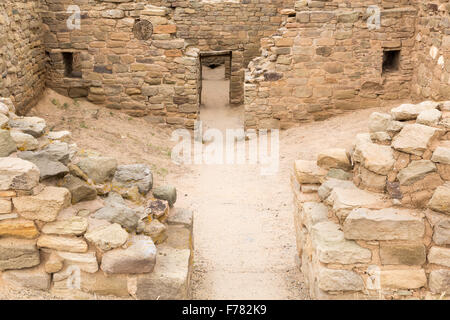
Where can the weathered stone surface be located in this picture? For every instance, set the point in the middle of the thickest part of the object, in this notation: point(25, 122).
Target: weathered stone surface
point(331, 247)
point(179, 237)
point(339, 280)
point(370, 180)
point(415, 171)
point(5, 206)
point(48, 168)
point(71, 226)
point(440, 201)
point(170, 278)
point(87, 262)
point(63, 136)
point(33, 278)
point(414, 139)
point(4, 121)
point(80, 190)
point(308, 171)
point(376, 158)
point(105, 284)
point(440, 256)
point(139, 257)
point(24, 141)
point(379, 122)
point(18, 228)
point(168, 193)
point(439, 281)
point(45, 206)
point(333, 158)
point(59, 243)
point(181, 216)
point(54, 263)
point(312, 213)
point(384, 224)
point(157, 209)
point(108, 237)
point(18, 254)
point(57, 151)
point(410, 111)
point(128, 176)
point(441, 234)
point(344, 200)
point(403, 279)
point(325, 189)
point(441, 155)
point(99, 169)
point(339, 174)
point(7, 144)
point(156, 230)
point(402, 253)
point(429, 117)
point(30, 125)
point(116, 211)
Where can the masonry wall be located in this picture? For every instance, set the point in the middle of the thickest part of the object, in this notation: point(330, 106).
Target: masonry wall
point(22, 57)
point(155, 77)
point(324, 60)
point(432, 76)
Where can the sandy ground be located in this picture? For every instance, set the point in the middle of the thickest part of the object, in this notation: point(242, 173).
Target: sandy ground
point(243, 229)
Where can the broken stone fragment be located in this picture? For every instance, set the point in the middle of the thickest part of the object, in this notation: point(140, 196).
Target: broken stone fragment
point(139, 257)
point(308, 171)
point(376, 158)
point(54, 263)
point(24, 142)
point(441, 155)
point(440, 256)
point(414, 138)
point(156, 230)
point(157, 209)
point(71, 226)
point(70, 244)
point(440, 201)
point(48, 168)
point(168, 193)
point(87, 262)
point(429, 117)
point(439, 281)
point(409, 111)
point(339, 280)
point(441, 234)
point(63, 136)
point(415, 171)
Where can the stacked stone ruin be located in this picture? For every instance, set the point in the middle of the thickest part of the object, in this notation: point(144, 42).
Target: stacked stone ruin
point(79, 225)
point(373, 222)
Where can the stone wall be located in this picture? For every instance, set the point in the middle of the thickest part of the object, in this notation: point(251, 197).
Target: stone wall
point(149, 74)
point(77, 224)
point(373, 222)
point(22, 56)
point(325, 60)
point(432, 51)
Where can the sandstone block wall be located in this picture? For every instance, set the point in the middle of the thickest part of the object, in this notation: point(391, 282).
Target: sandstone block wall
point(373, 222)
point(432, 51)
point(77, 224)
point(155, 77)
point(22, 55)
point(324, 60)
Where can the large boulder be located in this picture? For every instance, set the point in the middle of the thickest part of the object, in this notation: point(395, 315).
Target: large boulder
point(45, 206)
point(99, 169)
point(18, 174)
point(18, 253)
point(139, 257)
point(30, 125)
point(129, 176)
point(7, 144)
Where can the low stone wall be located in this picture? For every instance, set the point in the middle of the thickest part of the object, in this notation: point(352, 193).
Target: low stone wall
point(373, 222)
point(79, 225)
point(22, 55)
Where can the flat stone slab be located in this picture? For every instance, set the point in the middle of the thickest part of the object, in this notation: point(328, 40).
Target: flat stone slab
point(440, 201)
point(441, 155)
point(376, 158)
point(308, 171)
point(439, 281)
point(108, 237)
point(18, 253)
point(71, 226)
point(334, 158)
point(33, 278)
point(339, 280)
point(415, 171)
point(384, 224)
point(71, 244)
point(414, 139)
point(325, 188)
point(402, 253)
point(181, 216)
point(312, 213)
point(19, 228)
point(403, 279)
point(439, 256)
point(87, 262)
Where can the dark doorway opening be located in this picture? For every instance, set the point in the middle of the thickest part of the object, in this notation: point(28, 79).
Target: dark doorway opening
point(215, 74)
point(391, 60)
point(72, 64)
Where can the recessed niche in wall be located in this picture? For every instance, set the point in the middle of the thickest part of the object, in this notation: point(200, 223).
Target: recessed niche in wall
point(391, 60)
point(72, 67)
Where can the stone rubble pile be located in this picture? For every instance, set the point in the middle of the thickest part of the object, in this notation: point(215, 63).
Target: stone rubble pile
point(373, 222)
point(79, 225)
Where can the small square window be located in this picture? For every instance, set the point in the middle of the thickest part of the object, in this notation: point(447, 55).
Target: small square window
point(391, 60)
